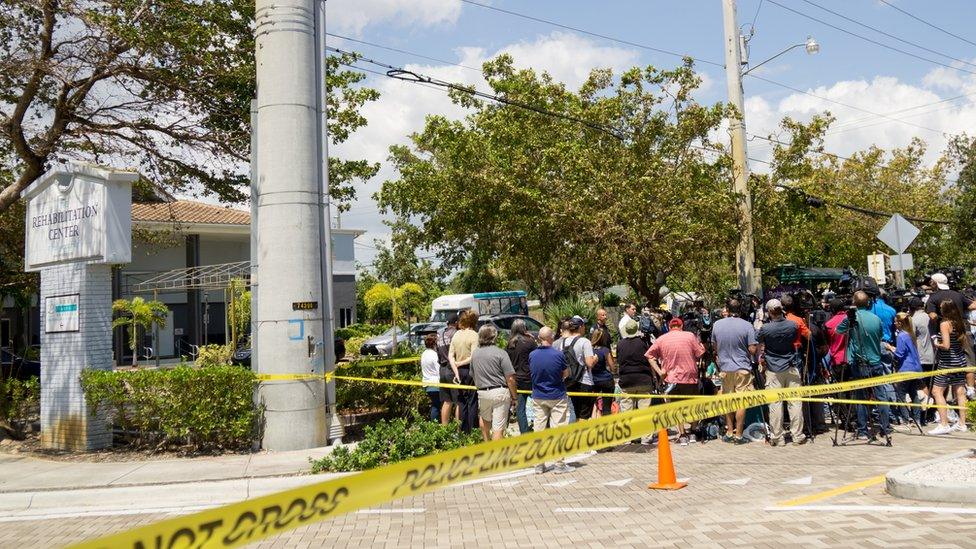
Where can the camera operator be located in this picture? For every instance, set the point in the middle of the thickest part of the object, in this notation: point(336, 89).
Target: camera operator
point(778, 348)
point(943, 292)
point(864, 359)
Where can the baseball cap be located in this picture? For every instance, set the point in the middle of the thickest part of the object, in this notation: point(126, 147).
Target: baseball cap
point(676, 322)
point(774, 304)
point(577, 322)
point(940, 281)
point(630, 328)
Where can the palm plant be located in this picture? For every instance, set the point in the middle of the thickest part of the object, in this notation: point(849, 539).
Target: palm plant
point(138, 313)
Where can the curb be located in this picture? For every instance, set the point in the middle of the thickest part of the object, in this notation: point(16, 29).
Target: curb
point(899, 485)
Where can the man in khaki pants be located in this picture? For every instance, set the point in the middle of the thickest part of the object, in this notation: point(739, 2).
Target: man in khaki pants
point(780, 360)
point(547, 367)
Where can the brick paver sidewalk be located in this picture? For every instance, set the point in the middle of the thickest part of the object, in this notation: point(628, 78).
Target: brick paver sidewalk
point(729, 503)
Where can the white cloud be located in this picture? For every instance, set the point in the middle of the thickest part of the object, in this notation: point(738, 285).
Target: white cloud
point(913, 110)
point(568, 57)
point(352, 16)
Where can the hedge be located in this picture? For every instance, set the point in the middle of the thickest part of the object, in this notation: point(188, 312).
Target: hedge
point(392, 400)
point(20, 403)
point(197, 409)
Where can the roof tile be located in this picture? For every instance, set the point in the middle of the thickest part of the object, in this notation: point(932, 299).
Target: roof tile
point(189, 211)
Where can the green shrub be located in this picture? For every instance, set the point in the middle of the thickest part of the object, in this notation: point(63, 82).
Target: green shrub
point(971, 413)
point(392, 441)
point(392, 400)
point(361, 330)
point(214, 355)
point(199, 409)
point(566, 307)
point(20, 402)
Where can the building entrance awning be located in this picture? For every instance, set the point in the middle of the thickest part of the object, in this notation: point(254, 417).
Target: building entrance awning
point(206, 277)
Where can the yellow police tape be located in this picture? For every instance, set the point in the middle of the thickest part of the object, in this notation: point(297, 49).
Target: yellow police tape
point(248, 521)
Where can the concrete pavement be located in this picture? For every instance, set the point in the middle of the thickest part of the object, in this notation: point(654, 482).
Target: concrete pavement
point(756, 496)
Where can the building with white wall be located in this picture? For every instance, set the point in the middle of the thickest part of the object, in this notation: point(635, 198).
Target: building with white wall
point(171, 234)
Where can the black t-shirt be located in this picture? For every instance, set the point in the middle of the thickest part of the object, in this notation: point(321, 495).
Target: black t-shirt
point(518, 351)
point(633, 366)
point(934, 304)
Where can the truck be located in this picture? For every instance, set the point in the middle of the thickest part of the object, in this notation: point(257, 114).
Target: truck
point(485, 303)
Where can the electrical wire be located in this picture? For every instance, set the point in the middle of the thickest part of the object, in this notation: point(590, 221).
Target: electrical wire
point(889, 35)
point(816, 202)
point(870, 40)
point(407, 52)
point(591, 33)
point(923, 21)
point(399, 74)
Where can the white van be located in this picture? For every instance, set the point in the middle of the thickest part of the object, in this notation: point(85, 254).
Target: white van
point(486, 303)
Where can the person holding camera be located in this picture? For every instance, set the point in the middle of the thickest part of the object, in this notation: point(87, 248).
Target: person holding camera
point(781, 363)
point(864, 358)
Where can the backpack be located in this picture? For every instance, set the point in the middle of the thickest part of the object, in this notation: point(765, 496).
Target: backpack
point(575, 368)
point(646, 325)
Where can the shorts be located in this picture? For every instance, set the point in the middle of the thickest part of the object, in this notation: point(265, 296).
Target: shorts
point(493, 407)
point(684, 389)
point(738, 381)
point(448, 395)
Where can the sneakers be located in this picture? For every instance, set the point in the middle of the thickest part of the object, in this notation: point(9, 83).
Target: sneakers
point(862, 436)
point(540, 468)
point(562, 468)
point(941, 430)
point(801, 441)
point(692, 439)
point(683, 440)
point(970, 392)
point(960, 428)
point(728, 438)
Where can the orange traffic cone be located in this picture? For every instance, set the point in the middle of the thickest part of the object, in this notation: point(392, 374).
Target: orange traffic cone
point(666, 479)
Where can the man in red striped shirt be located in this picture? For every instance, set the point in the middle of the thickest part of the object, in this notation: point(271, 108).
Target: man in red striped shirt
point(674, 356)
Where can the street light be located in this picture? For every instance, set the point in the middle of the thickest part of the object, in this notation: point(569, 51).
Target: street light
point(745, 256)
point(811, 45)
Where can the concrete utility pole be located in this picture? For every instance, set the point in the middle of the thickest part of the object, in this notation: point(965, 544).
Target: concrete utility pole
point(745, 258)
point(289, 225)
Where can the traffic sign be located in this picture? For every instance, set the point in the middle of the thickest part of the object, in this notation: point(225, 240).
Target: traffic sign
point(898, 233)
point(901, 262)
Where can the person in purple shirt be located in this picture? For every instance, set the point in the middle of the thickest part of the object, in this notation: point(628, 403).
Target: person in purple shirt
point(906, 360)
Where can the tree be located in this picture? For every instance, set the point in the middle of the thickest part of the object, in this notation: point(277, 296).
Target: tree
point(385, 303)
point(137, 314)
point(798, 220)
point(564, 205)
point(161, 86)
point(962, 151)
point(239, 310)
point(398, 263)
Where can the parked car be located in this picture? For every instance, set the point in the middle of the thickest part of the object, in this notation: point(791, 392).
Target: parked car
point(382, 344)
point(421, 329)
point(503, 323)
point(242, 356)
point(16, 366)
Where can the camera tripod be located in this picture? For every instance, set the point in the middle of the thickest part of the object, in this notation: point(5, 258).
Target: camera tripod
point(857, 362)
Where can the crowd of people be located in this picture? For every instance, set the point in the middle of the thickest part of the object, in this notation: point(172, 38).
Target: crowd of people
point(747, 345)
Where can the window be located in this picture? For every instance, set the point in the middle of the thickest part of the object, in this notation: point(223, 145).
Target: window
point(345, 317)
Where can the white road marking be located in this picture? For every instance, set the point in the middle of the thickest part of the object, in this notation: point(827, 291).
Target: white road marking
point(738, 481)
point(391, 511)
point(878, 508)
point(591, 509)
point(686, 479)
point(801, 481)
point(618, 483)
point(516, 474)
point(561, 483)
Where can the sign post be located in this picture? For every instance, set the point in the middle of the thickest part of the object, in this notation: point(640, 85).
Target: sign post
point(79, 223)
point(899, 234)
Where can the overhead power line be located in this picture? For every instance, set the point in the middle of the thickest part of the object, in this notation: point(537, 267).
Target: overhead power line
point(407, 52)
point(590, 33)
point(412, 77)
point(870, 40)
point(923, 21)
point(889, 35)
point(866, 211)
point(698, 59)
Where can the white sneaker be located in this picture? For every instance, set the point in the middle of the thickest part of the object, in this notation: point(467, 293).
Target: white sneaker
point(561, 468)
point(540, 469)
point(953, 416)
point(692, 439)
point(941, 430)
point(960, 427)
point(970, 392)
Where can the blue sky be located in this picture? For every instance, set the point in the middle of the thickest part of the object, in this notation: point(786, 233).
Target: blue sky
point(847, 70)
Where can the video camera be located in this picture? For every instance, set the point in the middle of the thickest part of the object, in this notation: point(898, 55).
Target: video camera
point(747, 303)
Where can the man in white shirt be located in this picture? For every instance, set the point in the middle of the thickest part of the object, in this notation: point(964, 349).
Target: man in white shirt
point(630, 313)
